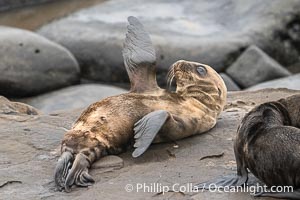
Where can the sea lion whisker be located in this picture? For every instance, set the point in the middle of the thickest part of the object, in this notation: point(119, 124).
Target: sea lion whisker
point(170, 77)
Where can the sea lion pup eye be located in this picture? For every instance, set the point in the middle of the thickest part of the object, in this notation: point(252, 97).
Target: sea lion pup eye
point(267, 144)
point(201, 70)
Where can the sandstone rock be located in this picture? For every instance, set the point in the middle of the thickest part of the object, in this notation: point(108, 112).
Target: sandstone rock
point(31, 64)
point(28, 155)
point(230, 84)
point(291, 82)
point(212, 32)
point(254, 66)
point(72, 97)
point(7, 107)
point(11, 4)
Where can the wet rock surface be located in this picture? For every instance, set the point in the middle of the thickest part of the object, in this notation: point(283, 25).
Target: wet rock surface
point(254, 66)
point(73, 97)
point(211, 32)
point(291, 82)
point(30, 148)
point(31, 64)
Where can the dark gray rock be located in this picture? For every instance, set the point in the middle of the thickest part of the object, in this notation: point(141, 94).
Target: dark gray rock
point(212, 32)
point(254, 66)
point(72, 97)
point(230, 84)
point(31, 64)
point(291, 82)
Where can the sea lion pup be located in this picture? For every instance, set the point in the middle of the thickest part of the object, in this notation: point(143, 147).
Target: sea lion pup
point(268, 144)
point(146, 114)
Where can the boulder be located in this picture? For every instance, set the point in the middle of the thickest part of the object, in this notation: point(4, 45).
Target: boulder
point(211, 32)
point(72, 97)
point(230, 84)
point(254, 66)
point(291, 82)
point(31, 64)
point(29, 151)
point(8, 107)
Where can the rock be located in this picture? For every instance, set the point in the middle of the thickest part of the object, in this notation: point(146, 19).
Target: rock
point(72, 97)
point(291, 82)
point(11, 4)
point(110, 161)
point(253, 67)
point(28, 154)
point(211, 32)
point(7, 107)
point(31, 64)
point(230, 84)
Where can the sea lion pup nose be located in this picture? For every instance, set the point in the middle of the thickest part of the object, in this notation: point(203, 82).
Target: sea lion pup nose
point(268, 144)
point(147, 114)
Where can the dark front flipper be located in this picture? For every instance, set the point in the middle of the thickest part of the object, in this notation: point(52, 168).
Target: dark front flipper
point(225, 181)
point(280, 195)
point(78, 174)
point(146, 129)
point(62, 169)
point(139, 57)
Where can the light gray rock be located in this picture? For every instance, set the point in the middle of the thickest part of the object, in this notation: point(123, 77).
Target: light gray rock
point(212, 32)
point(72, 97)
point(254, 66)
point(109, 162)
point(31, 64)
point(230, 84)
point(291, 82)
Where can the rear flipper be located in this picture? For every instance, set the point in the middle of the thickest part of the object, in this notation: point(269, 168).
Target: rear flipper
point(225, 181)
point(70, 171)
point(280, 195)
point(62, 169)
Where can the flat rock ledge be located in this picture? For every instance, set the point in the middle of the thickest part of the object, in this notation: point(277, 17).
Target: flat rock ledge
point(30, 145)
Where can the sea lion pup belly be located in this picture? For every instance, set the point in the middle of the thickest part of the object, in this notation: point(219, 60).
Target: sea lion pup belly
point(144, 115)
point(268, 144)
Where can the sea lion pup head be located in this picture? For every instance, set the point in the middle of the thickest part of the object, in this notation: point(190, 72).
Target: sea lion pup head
point(199, 81)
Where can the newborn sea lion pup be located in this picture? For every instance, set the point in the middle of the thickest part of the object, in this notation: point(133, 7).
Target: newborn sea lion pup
point(146, 114)
point(268, 144)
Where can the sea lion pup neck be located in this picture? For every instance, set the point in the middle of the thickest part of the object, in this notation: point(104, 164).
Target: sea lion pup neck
point(145, 115)
point(267, 144)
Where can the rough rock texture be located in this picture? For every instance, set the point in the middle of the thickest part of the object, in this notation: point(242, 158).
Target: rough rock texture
point(291, 82)
point(230, 84)
point(10, 4)
point(31, 64)
point(254, 66)
point(72, 97)
point(7, 107)
point(30, 143)
point(212, 32)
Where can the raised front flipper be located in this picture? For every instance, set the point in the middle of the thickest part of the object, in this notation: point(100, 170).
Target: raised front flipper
point(146, 129)
point(139, 57)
